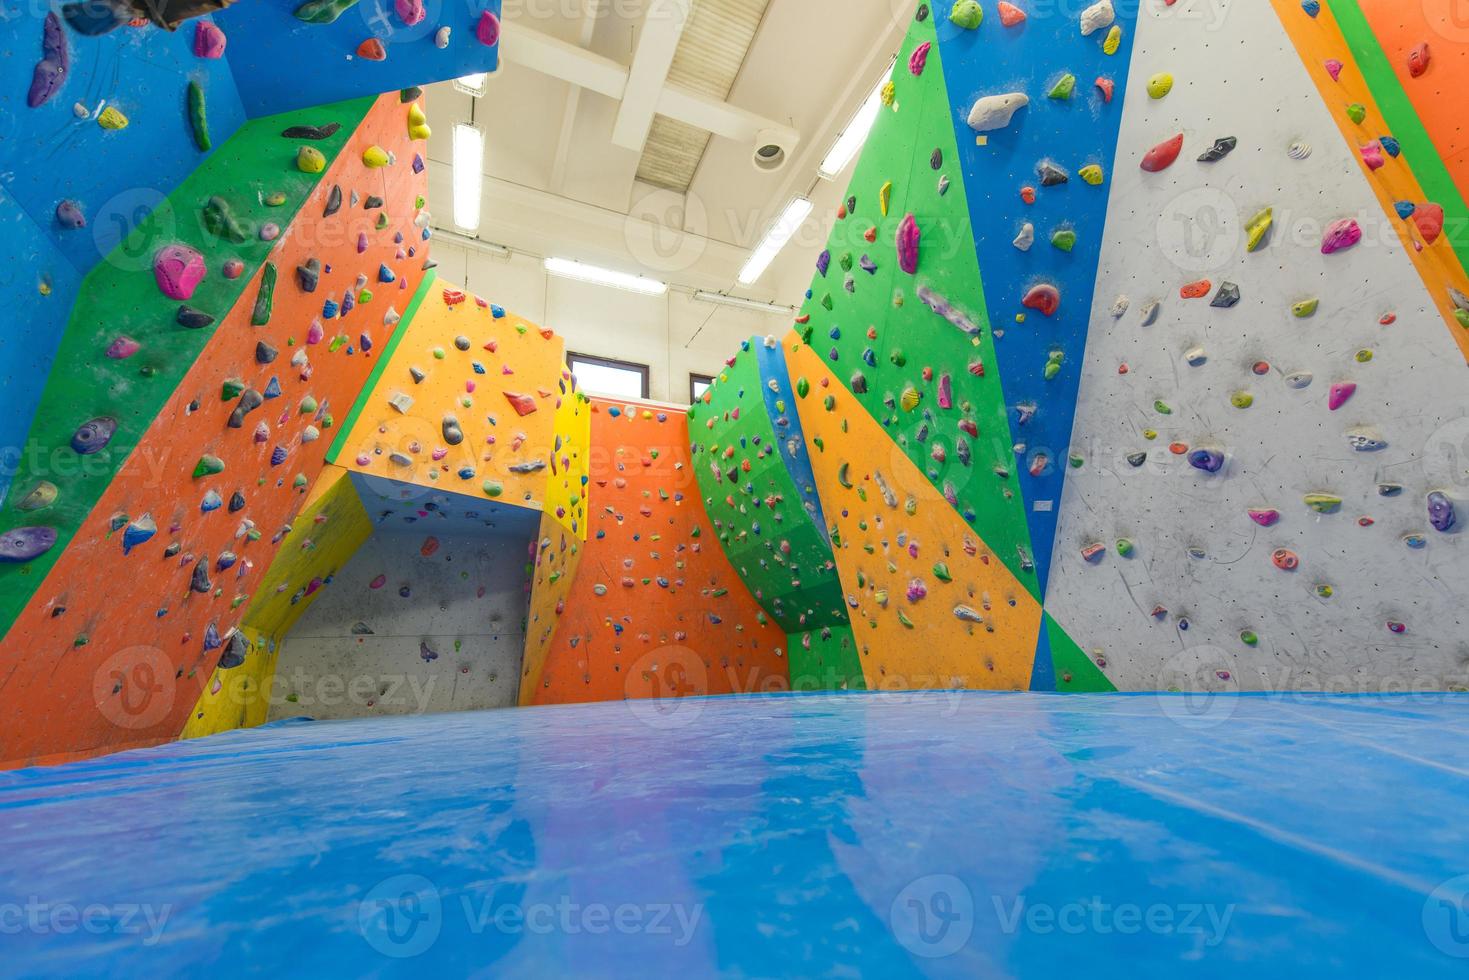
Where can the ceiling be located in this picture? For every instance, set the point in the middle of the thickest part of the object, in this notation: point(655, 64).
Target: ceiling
point(600, 171)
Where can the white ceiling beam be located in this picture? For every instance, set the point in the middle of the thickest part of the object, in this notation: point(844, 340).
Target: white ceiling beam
point(657, 42)
point(721, 118)
point(564, 60)
point(590, 12)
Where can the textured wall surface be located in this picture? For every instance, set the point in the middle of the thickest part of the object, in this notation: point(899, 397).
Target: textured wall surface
point(1187, 586)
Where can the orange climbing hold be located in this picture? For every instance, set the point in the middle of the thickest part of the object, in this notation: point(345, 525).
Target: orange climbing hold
point(372, 49)
point(1196, 289)
point(1027, 194)
point(1010, 15)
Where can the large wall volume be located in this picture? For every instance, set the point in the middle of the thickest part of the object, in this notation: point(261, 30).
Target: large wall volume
point(653, 609)
point(1267, 494)
point(187, 418)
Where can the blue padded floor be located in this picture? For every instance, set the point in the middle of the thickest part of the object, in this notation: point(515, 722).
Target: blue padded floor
point(884, 835)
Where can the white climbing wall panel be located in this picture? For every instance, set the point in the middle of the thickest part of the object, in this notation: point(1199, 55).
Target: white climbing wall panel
point(1202, 582)
point(469, 591)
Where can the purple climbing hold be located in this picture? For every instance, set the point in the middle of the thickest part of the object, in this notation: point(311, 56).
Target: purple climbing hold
point(1441, 511)
point(69, 215)
point(908, 238)
point(93, 435)
point(22, 544)
point(1208, 460)
point(823, 261)
point(278, 455)
point(51, 70)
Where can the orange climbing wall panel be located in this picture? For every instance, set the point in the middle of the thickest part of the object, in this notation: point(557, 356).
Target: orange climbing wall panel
point(452, 333)
point(891, 557)
point(1319, 39)
point(114, 644)
point(654, 608)
point(1437, 95)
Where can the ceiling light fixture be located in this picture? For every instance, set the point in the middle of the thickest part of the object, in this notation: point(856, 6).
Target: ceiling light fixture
point(571, 269)
point(775, 239)
point(740, 303)
point(469, 156)
point(476, 85)
point(849, 143)
point(474, 244)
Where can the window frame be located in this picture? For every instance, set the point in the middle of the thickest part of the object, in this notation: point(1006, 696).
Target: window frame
point(695, 379)
point(575, 357)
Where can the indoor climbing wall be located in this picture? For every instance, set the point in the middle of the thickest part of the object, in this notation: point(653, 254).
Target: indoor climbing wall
point(331, 527)
point(654, 608)
point(426, 617)
point(749, 459)
point(1269, 424)
point(193, 397)
point(468, 400)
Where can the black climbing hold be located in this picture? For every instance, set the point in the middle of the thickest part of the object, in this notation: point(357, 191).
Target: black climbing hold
point(922, 12)
point(372, 201)
point(410, 94)
point(235, 649)
point(311, 132)
point(1051, 175)
point(264, 353)
point(1222, 148)
point(333, 201)
point(937, 160)
point(1227, 296)
point(199, 581)
point(1137, 459)
point(308, 275)
point(192, 318)
point(237, 501)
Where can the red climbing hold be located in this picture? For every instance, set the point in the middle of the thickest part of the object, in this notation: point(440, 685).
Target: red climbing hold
point(1027, 194)
point(1429, 219)
point(1010, 15)
point(1043, 297)
point(1418, 60)
point(1161, 157)
point(523, 404)
point(453, 297)
point(372, 49)
point(1196, 289)
point(1106, 87)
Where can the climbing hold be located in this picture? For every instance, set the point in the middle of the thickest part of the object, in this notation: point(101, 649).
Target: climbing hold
point(1098, 16)
point(1419, 59)
point(1222, 147)
point(1357, 112)
point(310, 160)
point(1265, 516)
point(112, 118)
point(265, 297)
point(1323, 503)
point(1051, 175)
point(885, 197)
point(1441, 511)
point(453, 434)
point(1305, 308)
point(1340, 394)
point(22, 544)
point(907, 243)
point(323, 11)
point(523, 404)
point(308, 275)
point(1241, 399)
point(1092, 174)
point(69, 215)
point(209, 40)
point(1093, 552)
point(1043, 297)
point(1010, 15)
point(1227, 297)
point(1299, 379)
point(1113, 40)
point(1258, 228)
point(220, 221)
point(208, 466)
point(1365, 440)
point(1249, 638)
point(1340, 235)
point(93, 435)
point(1106, 88)
point(199, 117)
point(178, 270)
point(1064, 239)
point(1208, 460)
point(1299, 150)
point(137, 532)
point(1160, 85)
point(967, 14)
point(372, 50)
point(1161, 157)
point(1150, 312)
point(1063, 89)
point(50, 72)
point(375, 156)
point(311, 132)
point(418, 128)
point(1285, 559)
point(1429, 218)
point(995, 111)
point(919, 59)
point(487, 29)
point(1194, 290)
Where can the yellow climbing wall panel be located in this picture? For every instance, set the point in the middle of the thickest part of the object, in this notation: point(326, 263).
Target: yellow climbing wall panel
point(558, 556)
point(466, 404)
point(331, 527)
point(566, 477)
point(931, 606)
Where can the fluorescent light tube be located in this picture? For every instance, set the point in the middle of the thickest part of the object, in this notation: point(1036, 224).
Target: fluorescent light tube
point(469, 179)
point(775, 239)
point(476, 85)
point(740, 303)
point(570, 269)
point(850, 142)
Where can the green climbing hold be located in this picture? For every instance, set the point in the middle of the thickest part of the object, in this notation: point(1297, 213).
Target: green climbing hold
point(1064, 88)
point(1162, 408)
point(198, 118)
point(1249, 639)
point(265, 298)
point(941, 572)
point(967, 14)
point(1064, 239)
point(1357, 112)
point(1125, 547)
point(220, 221)
point(1322, 503)
point(803, 387)
point(493, 488)
point(231, 389)
point(323, 11)
point(208, 466)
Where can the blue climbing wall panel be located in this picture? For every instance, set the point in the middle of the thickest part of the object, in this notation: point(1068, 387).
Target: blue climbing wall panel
point(282, 63)
point(947, 834)
point(780, 405)
point(1031, 57)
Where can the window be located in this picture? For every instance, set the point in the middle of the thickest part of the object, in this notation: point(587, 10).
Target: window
point(608, 377)
point(698, 384)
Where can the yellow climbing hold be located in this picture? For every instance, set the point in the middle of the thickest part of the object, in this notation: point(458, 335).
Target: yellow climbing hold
point(417, 123)
point(1305, 308)
point(909, 399)
point(889, 93)
point(885, 197)
point(1258, 228)
point(1150, 434)
point(310, 160)
point(112, 119)
point(375, 156)
point(1113, 41)
point(1160, 84)
point(1242, 399)
point(1092, 174)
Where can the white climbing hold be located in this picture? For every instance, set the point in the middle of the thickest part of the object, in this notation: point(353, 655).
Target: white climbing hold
point(1026, 238)
point(1097, 17)
point(1119, 307)
point(1150, 312)
point(1299, 150)
point(994, 111)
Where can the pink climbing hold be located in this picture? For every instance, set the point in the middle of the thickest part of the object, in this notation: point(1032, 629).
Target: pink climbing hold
point(1341, 393)
point(1429, 219)
point(410, 12)
point(1333, 68)
point(315, 334)
point(178, 270)
point(123, 348)
point(1265, 516)
point(908, 237)
point(919, 60)
point(1043, 297)
point(1372, 156)
point(1340, 235)
point(1161, 157)
point(378, 582)
point(488, 29)
point(209, 40)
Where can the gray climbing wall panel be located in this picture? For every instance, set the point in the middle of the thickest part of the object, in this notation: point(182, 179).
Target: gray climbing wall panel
point(1376, 600)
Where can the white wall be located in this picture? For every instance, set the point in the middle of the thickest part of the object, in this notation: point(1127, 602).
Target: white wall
point(672, 334)
point(470, 591)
